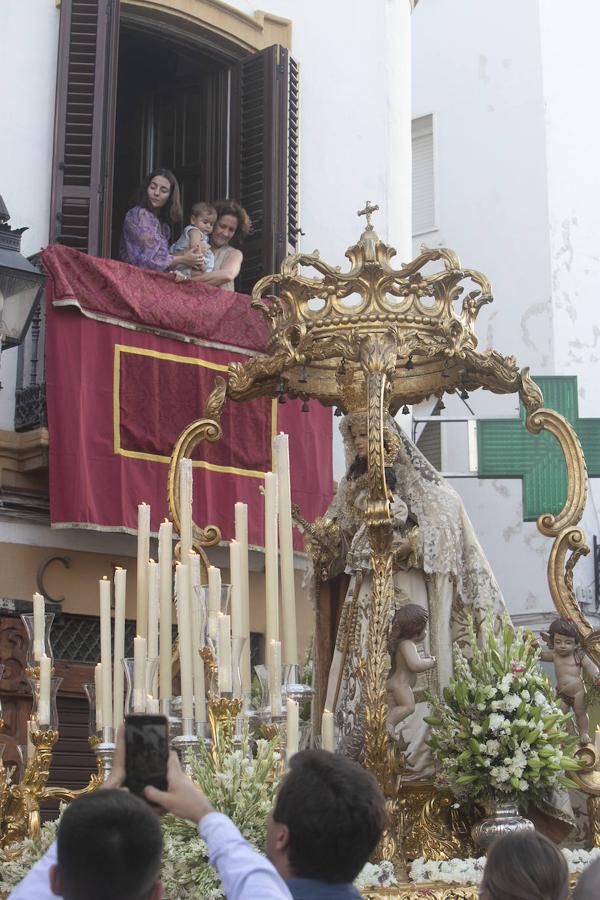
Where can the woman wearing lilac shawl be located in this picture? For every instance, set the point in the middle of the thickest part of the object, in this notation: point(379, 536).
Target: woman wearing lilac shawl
point(147, 227)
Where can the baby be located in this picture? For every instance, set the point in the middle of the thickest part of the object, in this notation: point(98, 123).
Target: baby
point(569, 661)
point(408, 626)
point(195, 236)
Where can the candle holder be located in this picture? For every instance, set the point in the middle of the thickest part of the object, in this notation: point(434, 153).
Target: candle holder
point(133, 703)
point(292, 688)
point(237, 648)
point(94, 727)
point(52, 724)
point(202, 592)
point(184, 744)
point(211, 673)
point(105, 751)
point(31, 662)
point(222, 715)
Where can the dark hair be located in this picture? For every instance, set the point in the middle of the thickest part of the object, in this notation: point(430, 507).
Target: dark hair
point(408, 622)
point(525, 867)
point(566, 627)
point(335, 814)
point(202, 208)
point(171, 212)
point(109, 844)
point(588, 883)
point(233, 208)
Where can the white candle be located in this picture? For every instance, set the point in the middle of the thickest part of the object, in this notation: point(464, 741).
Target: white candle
point(44, 700)
point(237, 620)
point(241, 536)
point(31, 728)
point(271, 573)
point(197, 661)
point(292, 729)
point(214, 600)
point(165, 562)
point(153, 592)
point(185, 507)
point(139, 674)
point(98, 692)
point(597, 740)
point(38, 626)
point(275, 677)
point(184, 627)
point(119, 649)
point(286, 552)
point(224, 653)
point(105, 653)
point(143, 552)
point(327, 732)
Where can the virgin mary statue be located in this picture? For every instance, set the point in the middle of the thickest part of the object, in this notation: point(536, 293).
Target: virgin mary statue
point(438, 565)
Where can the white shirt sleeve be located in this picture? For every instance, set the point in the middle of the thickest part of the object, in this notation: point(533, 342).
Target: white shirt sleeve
point(244, 872)
point(36, 884)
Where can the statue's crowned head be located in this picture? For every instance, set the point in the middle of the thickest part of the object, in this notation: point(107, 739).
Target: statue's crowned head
point(356, 427)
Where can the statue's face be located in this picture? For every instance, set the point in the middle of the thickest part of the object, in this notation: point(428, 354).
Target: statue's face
point(360, 439)
point(564, 645)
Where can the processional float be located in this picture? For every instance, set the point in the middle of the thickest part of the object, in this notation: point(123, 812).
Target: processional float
point(376, 339)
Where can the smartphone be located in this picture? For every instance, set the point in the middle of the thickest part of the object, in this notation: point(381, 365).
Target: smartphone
point(146, 752)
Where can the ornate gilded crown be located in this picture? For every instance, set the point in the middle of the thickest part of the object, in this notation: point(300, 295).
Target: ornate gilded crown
point(318, 324)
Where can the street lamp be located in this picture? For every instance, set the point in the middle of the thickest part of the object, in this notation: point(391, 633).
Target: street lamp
point(20, 283)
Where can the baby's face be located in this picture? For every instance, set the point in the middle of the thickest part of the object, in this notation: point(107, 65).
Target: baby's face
point(564, 645)
point(204, 222)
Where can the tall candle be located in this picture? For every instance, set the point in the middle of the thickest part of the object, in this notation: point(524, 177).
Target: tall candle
point(165, 562)
point(98, 693)
point(185, 507)
point(44, 700)
point(143, 552)
point(153, 592)
point(119, 649)
point(39, 619)
point(271, 573)
point(275, 677)
point(105, 653)
point(197, 661)
point(292, 729)
point(184, 626)
point(237, 616)
point(224, 653)
point(139, 674)
point(327, 732)
point(286, 552)
point(31, 728)
point(214, 600)
point(241, 536)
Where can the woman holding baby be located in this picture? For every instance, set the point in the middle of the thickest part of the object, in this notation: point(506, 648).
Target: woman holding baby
point(208, 249)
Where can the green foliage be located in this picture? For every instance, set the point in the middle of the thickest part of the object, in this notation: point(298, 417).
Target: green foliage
point(499, 732)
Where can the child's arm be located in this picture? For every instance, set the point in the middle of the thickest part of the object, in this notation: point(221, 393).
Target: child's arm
point(412, 660)
point(198, 241)
point(590, 667)
point(547, 655)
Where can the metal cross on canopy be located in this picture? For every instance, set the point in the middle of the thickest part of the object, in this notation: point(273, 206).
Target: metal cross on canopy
point(368, 211)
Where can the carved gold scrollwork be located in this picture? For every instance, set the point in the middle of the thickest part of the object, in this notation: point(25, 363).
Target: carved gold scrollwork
point(201, 430)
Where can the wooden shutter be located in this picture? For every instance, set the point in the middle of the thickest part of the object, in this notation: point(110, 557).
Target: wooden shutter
point(84, 124)
point(266, 159)
point(423, 175)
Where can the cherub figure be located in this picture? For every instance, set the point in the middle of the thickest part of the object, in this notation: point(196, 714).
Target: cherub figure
point(569, 658)
point(408, 626)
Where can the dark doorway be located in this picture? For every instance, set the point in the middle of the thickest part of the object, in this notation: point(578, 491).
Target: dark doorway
point(173, 112)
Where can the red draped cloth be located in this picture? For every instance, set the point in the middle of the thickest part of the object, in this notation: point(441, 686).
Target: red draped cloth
point(131, 357)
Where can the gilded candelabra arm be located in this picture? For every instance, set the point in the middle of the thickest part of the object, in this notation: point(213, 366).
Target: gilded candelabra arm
point(201, 430)
point(21, 818)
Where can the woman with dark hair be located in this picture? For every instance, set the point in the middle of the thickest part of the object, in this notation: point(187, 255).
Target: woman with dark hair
point(524, 867)
point(147, 227)
point(232, 226)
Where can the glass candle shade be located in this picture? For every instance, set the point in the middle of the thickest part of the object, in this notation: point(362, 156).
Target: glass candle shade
point(142, 700)
point(52, 724)
point(27, 620)
point(94, 715)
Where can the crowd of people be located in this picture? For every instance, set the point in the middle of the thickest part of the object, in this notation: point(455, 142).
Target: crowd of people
point(208, 249)
point(328, 818)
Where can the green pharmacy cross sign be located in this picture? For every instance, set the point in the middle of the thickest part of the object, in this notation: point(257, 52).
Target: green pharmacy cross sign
point(507, 450)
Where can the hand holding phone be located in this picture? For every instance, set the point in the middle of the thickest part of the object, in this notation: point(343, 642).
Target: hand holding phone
point(146, 752)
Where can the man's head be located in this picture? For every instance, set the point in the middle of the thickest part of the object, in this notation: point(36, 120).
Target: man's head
point(328, 817)
point(109, 844)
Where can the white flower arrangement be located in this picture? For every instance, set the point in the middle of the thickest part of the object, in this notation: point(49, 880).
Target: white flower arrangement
point(470, 870)
point(375, 875)
point(499, 733)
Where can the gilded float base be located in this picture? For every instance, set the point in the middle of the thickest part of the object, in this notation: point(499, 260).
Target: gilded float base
point(431, 890)
point(429, 824)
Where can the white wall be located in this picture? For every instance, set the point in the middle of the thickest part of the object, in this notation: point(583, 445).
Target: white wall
point(29, 33)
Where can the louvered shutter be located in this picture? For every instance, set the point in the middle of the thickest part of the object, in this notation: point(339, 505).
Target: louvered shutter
point(267, 159)
point(84, 124)
point(423, 175)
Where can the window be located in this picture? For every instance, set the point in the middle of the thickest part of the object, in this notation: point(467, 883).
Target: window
point(422, 175)
point(225, 121)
